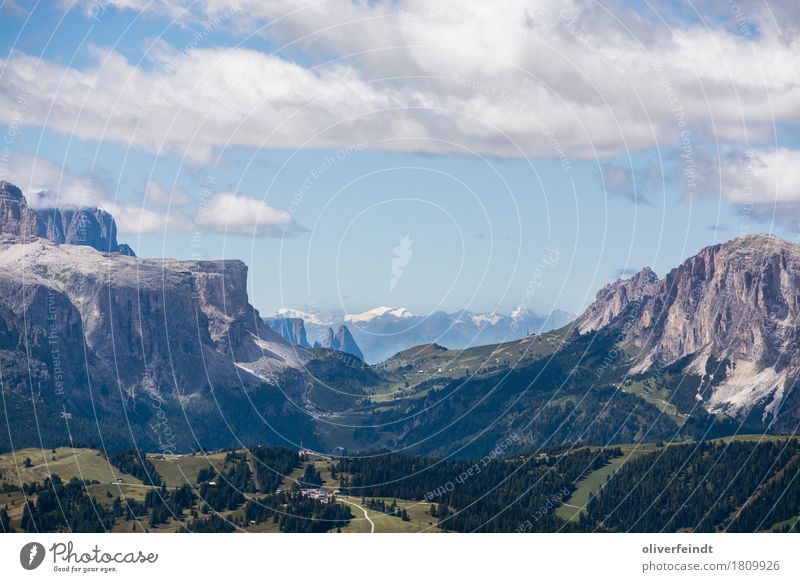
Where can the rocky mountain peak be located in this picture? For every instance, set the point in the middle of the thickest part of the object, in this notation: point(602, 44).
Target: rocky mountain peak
point(612, 299)
point(91, 227)
point(737, 302)
point(10, 191)
point(17, 221)
point(292, 329)
point(341, 341)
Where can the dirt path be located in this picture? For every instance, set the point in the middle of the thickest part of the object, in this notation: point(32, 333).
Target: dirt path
point(366, 514)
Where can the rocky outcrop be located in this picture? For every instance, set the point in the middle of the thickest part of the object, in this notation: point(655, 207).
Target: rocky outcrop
point(81, 226)
point(291, 329)
point(737, 303)
point(16, 219)
point(186, 325)
point(108, 336)
point(165, 355)
point(341, 341)
point(612, 299)
point(75, 226)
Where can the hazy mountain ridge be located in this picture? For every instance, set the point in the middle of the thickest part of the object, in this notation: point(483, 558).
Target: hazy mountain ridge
point(292, 329)
point(384, 331)
point(341, 341)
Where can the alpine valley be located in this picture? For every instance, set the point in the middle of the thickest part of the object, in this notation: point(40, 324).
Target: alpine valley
point(107, 356)
point(90, 334)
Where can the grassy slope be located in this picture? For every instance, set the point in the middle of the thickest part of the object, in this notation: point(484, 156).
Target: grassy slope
point(657, 397)
point(66, 462)
point(593, 482)
point(792, 521)
point(14, 502)
point(182, 469)
point(418, 512)
point(89, 464)
point(429, 362)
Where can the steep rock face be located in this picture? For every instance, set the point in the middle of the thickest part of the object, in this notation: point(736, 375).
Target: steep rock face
point(81, 226)
point(121, 339)
point(737, 303)
point(75, 226)
point(341, 341)
point(292, 329)
point(327, 339)
point(16, 219)
point(184, 324)
point(612, 299)
point(344, 342)
point(107, 348)
point(49, 318)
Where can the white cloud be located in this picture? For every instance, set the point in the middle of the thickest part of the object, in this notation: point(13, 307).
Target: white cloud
point(97, 9)
point(156, 195)
point(46, 185)
point(549, 79)
point(754, 176)
point(209, 98)
point(231, 213)
point(138, 220)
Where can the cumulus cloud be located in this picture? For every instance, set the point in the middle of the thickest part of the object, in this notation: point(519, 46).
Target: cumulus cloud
point(511, 79)
point(230, 213)
point(97, 9)
point(48, 186)
point(750, 176)
point(137, 220)
point(45, 185)
point(200, 101)
point(763, 186)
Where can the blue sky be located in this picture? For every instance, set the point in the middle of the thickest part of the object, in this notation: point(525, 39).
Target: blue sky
point(309, 142)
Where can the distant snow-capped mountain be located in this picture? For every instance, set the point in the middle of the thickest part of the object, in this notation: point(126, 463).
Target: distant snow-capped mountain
point(309, 317)
point(396, 312)
point(383, 331)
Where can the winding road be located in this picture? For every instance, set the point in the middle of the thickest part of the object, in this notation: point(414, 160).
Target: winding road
point(366, 514)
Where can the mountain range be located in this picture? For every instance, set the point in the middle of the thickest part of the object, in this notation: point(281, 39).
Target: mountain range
point(384, 331)
point(725, 318)
point(90, 336)
point(710, 349)
point(293, 330)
